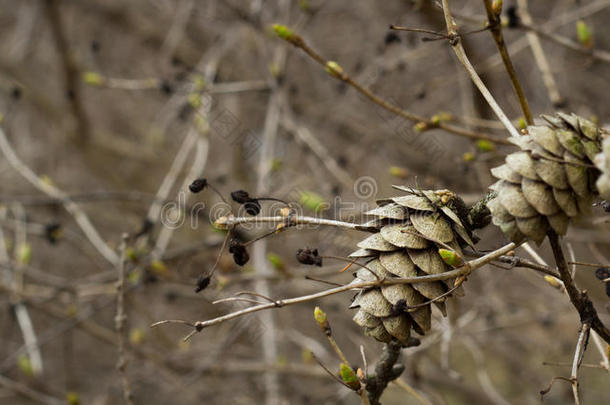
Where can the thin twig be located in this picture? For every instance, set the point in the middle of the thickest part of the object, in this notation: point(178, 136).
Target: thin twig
point(70, 71)
point(456, 130)
point(597, 54)
point(411, 391)
point(581, 346)
point(230, 221)
point(386, 371)
point(457, 47)
point(269, 338)
point(467, 268)
point(79, 215)
point(540, 56)
point(579, 300)
point(26, 391)
point(495, 27)
point(119, 323)
point(318, 149)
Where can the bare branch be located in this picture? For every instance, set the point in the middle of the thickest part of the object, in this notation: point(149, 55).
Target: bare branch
point(466, 269)
point(457, 47)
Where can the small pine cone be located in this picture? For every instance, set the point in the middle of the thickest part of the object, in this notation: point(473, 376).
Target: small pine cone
point(549, 181)
point(410, 230)
point(602, 161)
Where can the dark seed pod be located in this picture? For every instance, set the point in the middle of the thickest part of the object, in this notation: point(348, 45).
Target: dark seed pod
point(147, 226)
point(240, 196)
point(513, 19)
point(52, 232)
point(252, 207)
point(166, 87)
point(239, 252)
point(309, 257)
point(16, 93)
point(390, 38)
point(202, 283)
point(198, 185)
point(95, 46)
point(603, 273)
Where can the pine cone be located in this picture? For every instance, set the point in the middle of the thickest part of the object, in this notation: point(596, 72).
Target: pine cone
point(602, 161)
point(549, 181)
point(410, 230)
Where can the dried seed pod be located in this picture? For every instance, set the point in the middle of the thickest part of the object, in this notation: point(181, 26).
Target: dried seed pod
point(405, 246)
point(309, 257)
point(198, 185)
point(239, 252)
point(549, 181)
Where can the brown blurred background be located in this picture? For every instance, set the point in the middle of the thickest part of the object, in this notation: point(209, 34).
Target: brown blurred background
point(105, 99)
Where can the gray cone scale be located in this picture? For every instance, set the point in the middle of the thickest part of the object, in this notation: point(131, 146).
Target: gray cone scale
point(550, 180)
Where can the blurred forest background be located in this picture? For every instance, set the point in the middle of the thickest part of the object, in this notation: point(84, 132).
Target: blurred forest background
point(121, 104)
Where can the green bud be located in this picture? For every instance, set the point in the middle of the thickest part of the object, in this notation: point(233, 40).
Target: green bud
point(485, 145)
point(93, 79)
point(159, 268)
point(199, 83)
point(283, 32)
point(553, 282)
point(584, 35)
point(312, 201)
point(275, 70)
point(496, 7)
point(349, 376)
point(276, 261)
point(334, 69)
point(468, 156)
point(450, 257)
point(25, 365)
point(194, 100)
point(136, 336)
point(521, 124)
point(421, 127)
point(276, 164)
point(24, 253)
point(320, 317)
point(72, 398)
point(399, 172)
point(440, 117)
point(131, 254)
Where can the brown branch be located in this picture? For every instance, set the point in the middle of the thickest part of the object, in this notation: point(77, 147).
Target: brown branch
point(299, 42)
point(119, 324)
point(579, 299)
point(540, 57)
point(495, 27)
point(386, 371)
point(458, 49)
point(70, 72)
point(464, 270)
point(581, 346)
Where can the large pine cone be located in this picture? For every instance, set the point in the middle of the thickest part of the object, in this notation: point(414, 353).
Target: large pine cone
point(602, 161)
point(549, 181)
point(410, 230)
